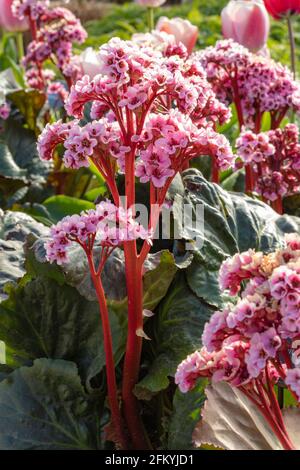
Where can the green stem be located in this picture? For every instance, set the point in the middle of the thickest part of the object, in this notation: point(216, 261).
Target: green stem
point(20, 46)
point(292, 45)
point(150, 18)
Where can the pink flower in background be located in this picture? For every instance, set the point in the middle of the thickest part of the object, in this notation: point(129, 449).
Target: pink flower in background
point(150, 3)
point(183, 31)
point(8, 20)
point(247, 22)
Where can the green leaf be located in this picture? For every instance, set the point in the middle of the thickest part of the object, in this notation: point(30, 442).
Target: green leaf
point(177, 330)
point(95, 193)
point(21, 144)
point(45, 407)
point(60, 206)
point(44, 319)
point(185, 415)
point(14, 228)
point(157, 281)
point(29, 103)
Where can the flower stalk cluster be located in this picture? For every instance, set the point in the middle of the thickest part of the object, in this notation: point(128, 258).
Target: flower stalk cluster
point(274, 157)
point(254, 83)
point(151, 113)
point(53, 32)
point(253, 344)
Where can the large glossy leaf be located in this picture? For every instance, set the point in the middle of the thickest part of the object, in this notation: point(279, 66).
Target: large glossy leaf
point(45, 407)
point(14, 227)
point(230, 421)
point(185, 415)
point(21, 143)
point(232, 223)
point(176, 330)
point(45, 319)
point(9, 168)
point(158, 279)
point(22, 173)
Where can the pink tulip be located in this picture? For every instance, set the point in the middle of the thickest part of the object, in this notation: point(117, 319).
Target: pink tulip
point(247, 22)
point(184, 31)
point(8, 21)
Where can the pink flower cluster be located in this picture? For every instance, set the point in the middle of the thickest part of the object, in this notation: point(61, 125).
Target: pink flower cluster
point(107, 226)
point(38, 78)
point(155, 80)
point(254, 83)
point(275, 158)
point(255, 338)
point(4, 111)
point(160, 109)
point(54, 31)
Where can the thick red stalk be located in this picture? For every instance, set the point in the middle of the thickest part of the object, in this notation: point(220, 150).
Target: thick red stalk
point(120, 437)
point(265, 410)
point(215, 171)
point(33, 27)
point(237, 100)
point(134, 282)
point(277, 205)
point(133, 347)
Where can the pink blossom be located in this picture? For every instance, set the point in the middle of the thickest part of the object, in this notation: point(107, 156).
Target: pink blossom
point(107, 225)
point(257, 84)
point(188, 371)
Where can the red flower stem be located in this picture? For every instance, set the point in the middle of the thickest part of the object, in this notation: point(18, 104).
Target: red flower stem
point(33, 27)
point(249, 179)
point(237, 100)
point(265, 411)
point(287, 358)
point(277, 205)
point(109, 359)
point(134, 282)
point(215, 171)
point(273, 400)
point(133, 347)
